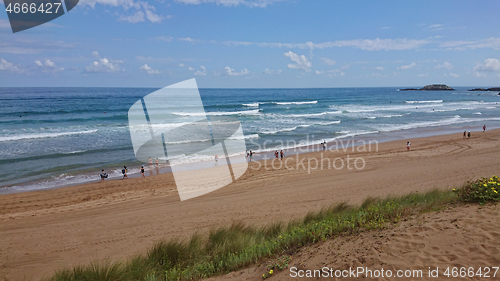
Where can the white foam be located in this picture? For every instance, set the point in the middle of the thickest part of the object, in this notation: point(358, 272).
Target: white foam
point(218, 113)
point(299, 126)
point(424, 101)
point(448, 121)
point(251, 104)
point(313, 114)
point(253, 136)
point(44, 135)
point(296, 102)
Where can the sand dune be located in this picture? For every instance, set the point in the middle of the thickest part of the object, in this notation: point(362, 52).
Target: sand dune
point(466, 236)
point(44, 231)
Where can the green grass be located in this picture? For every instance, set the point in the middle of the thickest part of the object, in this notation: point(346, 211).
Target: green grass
point(233, 247)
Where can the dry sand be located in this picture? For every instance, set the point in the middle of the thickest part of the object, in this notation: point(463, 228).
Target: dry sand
point(43, 231)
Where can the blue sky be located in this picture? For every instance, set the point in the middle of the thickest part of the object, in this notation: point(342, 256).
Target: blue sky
point(258, 44)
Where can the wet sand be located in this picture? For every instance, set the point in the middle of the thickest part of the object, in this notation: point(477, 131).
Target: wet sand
point(43, 231)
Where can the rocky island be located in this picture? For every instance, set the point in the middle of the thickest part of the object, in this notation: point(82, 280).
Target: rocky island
point(494, 89)
point(433, 87)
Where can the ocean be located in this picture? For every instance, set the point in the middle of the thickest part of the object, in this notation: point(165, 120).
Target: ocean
point(54, 137)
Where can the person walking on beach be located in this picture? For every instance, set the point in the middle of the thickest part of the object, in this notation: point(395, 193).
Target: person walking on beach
point(484, 128)
point(408, 144)
point(103, 175)
point(250, 156)
point(468, 135)
point(246, 155)
point(276, 154)
point(124, 172)
point(157, 163)
point(142, 172)
point(324, 145)
point(282, 155)
point(465, 134)
point(150, 162)
point(216, 160)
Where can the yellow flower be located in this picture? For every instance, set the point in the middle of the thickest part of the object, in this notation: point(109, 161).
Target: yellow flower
point(271, 272)
point(453, 189)
point(485, 185)
point(264, 275)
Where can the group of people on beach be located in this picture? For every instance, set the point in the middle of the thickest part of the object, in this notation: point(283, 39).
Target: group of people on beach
point(277, 154)
point(248, 155)
point(467, 134)
point(103, 175)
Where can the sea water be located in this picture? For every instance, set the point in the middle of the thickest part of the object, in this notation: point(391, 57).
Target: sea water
point(51, 137)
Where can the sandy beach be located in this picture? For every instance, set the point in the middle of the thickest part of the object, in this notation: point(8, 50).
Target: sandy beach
point(43, 231)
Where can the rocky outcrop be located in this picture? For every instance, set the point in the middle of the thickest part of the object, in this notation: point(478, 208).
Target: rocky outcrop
point(437, 87)
point(433, 87)
point(494, 89)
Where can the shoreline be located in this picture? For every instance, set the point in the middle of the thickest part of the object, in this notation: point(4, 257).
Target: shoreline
point(380, 137)
point(117, 219)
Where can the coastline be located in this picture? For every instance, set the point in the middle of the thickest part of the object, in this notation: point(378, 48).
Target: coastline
point(345, 141)
point(117, 219)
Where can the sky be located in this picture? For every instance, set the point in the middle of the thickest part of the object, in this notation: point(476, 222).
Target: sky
point(257, 44)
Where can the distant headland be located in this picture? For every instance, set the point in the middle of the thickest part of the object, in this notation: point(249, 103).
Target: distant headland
point(433, 87)
point(494, 89)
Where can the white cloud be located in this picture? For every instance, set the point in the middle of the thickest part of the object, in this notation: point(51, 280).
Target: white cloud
point(492, 42)
point(337, 72)
point(190, 40)
point(190, 68)
point(379, 68)
point(376, 44)
point(135, 18)
point(436, 27)
point(104, 65)
point(301, 62)
point(49, 66)
point(328, 61)
point(150, 15)
point(143, 10)
point(407, 66)
point(454, 75)
point(333, 72)
point(10, 67)
point(489, 65)
point(95, 53)
point(232, 3)
point(148, 69)
point(181, 65)
point(270, 72)
point(126, 4)
point(164, 38)
point(423, 75)
point(381, 44)
point(231, 72)
point(446, 65)
point(201, 72)
point(386, 27)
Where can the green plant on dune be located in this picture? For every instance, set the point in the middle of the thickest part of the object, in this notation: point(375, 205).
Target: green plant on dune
point(481, 191)
point(227, 249)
